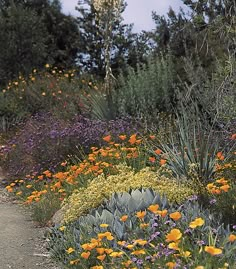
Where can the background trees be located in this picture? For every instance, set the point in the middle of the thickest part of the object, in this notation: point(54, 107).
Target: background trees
point(33, 33)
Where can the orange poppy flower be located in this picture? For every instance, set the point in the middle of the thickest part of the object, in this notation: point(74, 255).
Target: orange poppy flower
point(173, 235)
point(101, 257)
point(225, 188)
point(152, 137)
point(85, 255)
point(162, 213)
point(122, 137)
point(152, 159)
point(153, 208)
point(232, 237)
point(124, 218)
point(175, 215)
point(116, 254)
point(171, 265)
point(158, 151)
point(196, 223)
point(162, 161)
point(132, 139)
point(233, 137)
point(138, 252)
point(141, 214)
point(107, 138)
point(212, 250)
point(220, 156)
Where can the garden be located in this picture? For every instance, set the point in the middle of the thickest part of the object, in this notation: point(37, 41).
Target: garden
point(135, 169)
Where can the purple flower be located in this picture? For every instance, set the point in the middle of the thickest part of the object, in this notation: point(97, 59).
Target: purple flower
point(212, 201)
point(193, 198)
point(201, 243)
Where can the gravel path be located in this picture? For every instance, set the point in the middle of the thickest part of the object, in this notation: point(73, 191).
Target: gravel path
point(21, 243)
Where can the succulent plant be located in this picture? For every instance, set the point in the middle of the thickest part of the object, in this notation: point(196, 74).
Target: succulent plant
point(120, 204)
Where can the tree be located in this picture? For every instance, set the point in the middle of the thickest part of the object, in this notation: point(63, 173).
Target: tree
point(58, 41)
point(126, 46)
point(22, 42)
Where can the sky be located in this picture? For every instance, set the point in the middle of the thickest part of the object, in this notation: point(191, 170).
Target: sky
point(138, 12)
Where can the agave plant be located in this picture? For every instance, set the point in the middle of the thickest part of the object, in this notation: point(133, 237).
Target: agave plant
point(120, 204)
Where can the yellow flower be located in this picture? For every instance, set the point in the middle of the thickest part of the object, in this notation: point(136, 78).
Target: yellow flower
point(70, 250)
point(141, 242)
point(138, 252)
point(173, 245)
point(108, 250)
point(127, 263)
point(144, 225)
point(97, 267)
point(186, 254)
point(232, 237)
point(104, 225)
point(116, 254)
point(196, 223)
point(175, 215)
point(28, 186)
point(173, 235)
point(72, 262)
point(130, 246)
point(212, 250)
point(62, 228)
point(200, 267)
point(121, 243)
point(47, 65)
point(171, 265)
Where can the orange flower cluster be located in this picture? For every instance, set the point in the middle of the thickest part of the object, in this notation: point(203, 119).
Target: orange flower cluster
point(219, 186)
point(35, 196)
point(99, 161)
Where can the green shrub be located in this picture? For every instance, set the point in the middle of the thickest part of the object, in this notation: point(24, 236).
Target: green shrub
point(146, 92)
point(100, 188)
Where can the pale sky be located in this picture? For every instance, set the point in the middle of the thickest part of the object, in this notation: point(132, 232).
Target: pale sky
point(137, 12)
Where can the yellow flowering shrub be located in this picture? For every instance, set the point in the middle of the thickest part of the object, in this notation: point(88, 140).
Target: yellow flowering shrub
point(100, 188)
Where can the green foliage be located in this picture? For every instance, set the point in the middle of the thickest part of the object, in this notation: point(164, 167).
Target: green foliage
point(22, 42)
point(101, 188)
point(119, 204)
point(34, 33)
point(43, 210)
point(146, 92)
point(190, 247)
point(55, 91)
point(224, 203)
point(191, 148)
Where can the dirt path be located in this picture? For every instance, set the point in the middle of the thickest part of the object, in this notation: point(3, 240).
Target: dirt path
point(21, 243)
